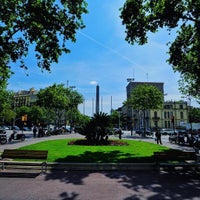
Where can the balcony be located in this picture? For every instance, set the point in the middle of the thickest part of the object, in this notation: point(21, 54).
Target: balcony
point(155, 118)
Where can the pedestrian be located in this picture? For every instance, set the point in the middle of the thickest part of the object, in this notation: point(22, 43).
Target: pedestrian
point(40, 132)
point(158, 137)
point(34, 131)
point(120, 133)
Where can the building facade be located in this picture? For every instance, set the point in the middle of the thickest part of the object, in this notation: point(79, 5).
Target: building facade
point(173, 114)
point(25, 97)
point(132, 85)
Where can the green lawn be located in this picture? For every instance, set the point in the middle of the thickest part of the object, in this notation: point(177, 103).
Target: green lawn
point(60, 151)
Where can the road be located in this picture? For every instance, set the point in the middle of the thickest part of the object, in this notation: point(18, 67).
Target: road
point(126, 135)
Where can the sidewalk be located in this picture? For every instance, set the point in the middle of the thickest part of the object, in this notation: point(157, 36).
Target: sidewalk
point(87, 185)
point(98, 185)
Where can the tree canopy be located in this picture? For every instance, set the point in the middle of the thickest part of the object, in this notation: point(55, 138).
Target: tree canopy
point(143, 16)
point(145, 97)
point(59, 101)
point(45, 25)
point(6, 102)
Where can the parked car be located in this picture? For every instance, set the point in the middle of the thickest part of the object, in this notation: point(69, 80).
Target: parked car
point(4, 127)
point(26, 129)
point(167, 131)
point(15, 128)
point(148, 131)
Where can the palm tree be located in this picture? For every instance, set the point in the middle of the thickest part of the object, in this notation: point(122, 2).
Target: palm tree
point(97, 129)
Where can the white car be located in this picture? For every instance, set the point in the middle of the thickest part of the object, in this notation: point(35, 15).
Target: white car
point(167, 131)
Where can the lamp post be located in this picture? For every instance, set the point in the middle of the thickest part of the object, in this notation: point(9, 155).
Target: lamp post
point(129, 80)
point(119, 118)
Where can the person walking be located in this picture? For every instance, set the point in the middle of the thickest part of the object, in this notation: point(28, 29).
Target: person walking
point(158, 137)
point(34, 131)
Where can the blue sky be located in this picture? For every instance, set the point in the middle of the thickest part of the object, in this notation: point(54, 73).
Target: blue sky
point(102, 56)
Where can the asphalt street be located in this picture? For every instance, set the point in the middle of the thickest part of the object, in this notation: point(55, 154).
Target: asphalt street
point(127, 135)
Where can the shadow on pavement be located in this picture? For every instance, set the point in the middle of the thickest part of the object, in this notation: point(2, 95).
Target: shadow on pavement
point(18, 175)
point(140, 184)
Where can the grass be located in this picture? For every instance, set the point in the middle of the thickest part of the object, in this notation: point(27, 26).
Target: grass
point(60, 151)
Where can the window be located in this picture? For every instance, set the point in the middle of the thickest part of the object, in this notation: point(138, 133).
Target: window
point(181, 115)
point(165, 115)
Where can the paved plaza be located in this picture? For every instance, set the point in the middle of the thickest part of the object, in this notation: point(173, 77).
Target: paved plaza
point(94, 185)
point(88, 185)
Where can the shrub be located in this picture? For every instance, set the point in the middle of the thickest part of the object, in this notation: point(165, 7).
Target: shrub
point(97, 129)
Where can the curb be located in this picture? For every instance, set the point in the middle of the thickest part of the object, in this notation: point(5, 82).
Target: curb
point(101, 166)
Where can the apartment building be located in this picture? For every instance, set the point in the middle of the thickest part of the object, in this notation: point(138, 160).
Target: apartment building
point(173, 114)
point(25, 97)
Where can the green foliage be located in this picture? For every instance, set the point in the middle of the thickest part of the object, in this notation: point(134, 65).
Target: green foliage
point(46, 25)
point(60, 102)
point(118, 119)
point(54, 97)
point(81, 120)
point(194, 115)
point(97, 129)
point(36, 114)
point(115, 118)
point(6, 107)
point(145, 97)
point(136, 151)
point(143, 16)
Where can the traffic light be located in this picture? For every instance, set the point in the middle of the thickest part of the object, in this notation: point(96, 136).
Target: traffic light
point(24, 117)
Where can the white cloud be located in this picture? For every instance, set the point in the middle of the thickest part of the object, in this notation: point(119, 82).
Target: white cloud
point(93, 82)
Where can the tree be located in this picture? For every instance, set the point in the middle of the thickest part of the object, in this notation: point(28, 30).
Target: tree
point(46, 25)
point(97, 129)
point(58, 100)
point(6, 110)
point(194, 116)
point(72, 112)
point(118, 119)
point(38, 115)
point(145, 97)
point(143, 16)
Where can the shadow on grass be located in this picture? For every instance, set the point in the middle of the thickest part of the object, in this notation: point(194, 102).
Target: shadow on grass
point(105, 157)
point(115, 156)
